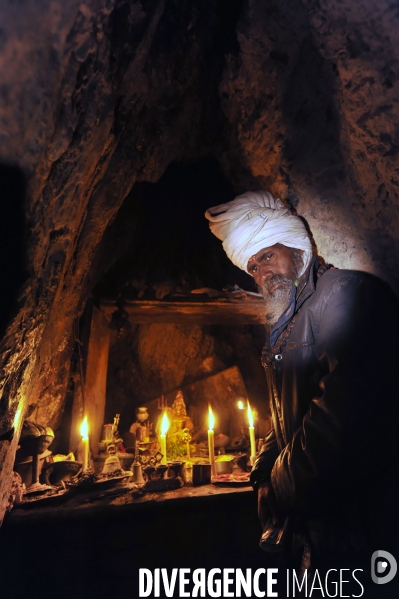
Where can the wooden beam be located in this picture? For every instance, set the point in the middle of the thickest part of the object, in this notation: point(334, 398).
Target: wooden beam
point(96, 376)
point(223, 312)
point(95, 383)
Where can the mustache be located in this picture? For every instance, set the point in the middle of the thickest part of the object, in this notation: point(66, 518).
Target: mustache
point(281, 280)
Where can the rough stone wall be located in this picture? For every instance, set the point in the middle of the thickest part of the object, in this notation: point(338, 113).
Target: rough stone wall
point(92, 99)
point(299, 97)
point(362, 40)
point(149, 360)
point(312, 99)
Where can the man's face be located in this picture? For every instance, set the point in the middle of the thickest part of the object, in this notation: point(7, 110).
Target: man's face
point(277, 259)
point(275, 270)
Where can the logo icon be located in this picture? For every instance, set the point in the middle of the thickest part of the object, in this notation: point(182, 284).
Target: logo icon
point(383, 567)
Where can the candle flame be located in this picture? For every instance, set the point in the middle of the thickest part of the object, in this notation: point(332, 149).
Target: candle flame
point(211, 419)
point(84, 428)
point(250, 416)
point(164, 424)
point(240, 405)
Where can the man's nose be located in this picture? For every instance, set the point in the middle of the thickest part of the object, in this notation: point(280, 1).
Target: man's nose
point(264, 273)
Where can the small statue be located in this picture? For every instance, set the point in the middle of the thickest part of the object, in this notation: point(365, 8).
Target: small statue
point(179, 437)
point(112, 437)
point(112, 463)
point(141, 428)
point(180, 420)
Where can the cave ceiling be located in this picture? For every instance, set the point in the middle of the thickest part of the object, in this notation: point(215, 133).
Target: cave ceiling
point(98, 97)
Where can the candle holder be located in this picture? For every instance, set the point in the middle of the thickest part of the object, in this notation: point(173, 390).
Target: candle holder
point(201, 474)
point(161, 469)
point(149, 471)
point(175, 469)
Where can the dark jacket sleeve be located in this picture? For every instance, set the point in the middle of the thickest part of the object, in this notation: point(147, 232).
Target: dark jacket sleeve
point(265, 461)
point(349, 435)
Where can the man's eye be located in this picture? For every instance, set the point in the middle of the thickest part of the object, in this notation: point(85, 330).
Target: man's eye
point(269, 256)
point(253, 269)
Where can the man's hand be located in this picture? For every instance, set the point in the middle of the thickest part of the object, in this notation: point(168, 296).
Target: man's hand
point(267, 506)
point(274, 526)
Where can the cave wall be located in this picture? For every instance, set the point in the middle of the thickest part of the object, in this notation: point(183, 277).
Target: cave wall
point(92, 99)
point(300, 97)
point(325, 113)
point(147, 361)
point(363, 41)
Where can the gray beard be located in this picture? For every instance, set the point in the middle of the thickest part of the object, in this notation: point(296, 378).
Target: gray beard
point(277, 301)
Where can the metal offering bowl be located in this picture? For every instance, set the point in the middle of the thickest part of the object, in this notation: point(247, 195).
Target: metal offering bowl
point(224, 464)
point(54, 473)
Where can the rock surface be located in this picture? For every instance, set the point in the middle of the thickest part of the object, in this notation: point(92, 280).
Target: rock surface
point(150, 360)
point(298, 97)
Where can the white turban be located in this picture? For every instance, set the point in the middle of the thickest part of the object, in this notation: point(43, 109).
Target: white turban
point(253, 221)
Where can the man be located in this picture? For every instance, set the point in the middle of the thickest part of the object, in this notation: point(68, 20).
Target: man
point(327, 474)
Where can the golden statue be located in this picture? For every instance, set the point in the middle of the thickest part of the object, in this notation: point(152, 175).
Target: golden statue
point(179, 437)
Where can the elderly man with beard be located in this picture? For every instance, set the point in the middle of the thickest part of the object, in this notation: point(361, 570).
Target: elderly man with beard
point(326, 476)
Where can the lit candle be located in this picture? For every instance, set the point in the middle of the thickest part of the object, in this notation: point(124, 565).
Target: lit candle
point(162, 438)
point(84, 431)
point(251, 434)
point(211, 442)
point(241, 418)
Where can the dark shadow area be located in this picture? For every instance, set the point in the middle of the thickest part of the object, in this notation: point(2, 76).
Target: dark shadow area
point(164, 238)
point(97, 552)
point(13, 268)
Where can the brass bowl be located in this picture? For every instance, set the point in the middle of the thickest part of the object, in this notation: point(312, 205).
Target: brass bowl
point(54, 473)
point(224, 464)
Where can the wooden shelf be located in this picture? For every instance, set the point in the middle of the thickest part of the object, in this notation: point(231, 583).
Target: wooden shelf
point(220, 311)
point(89, 501)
